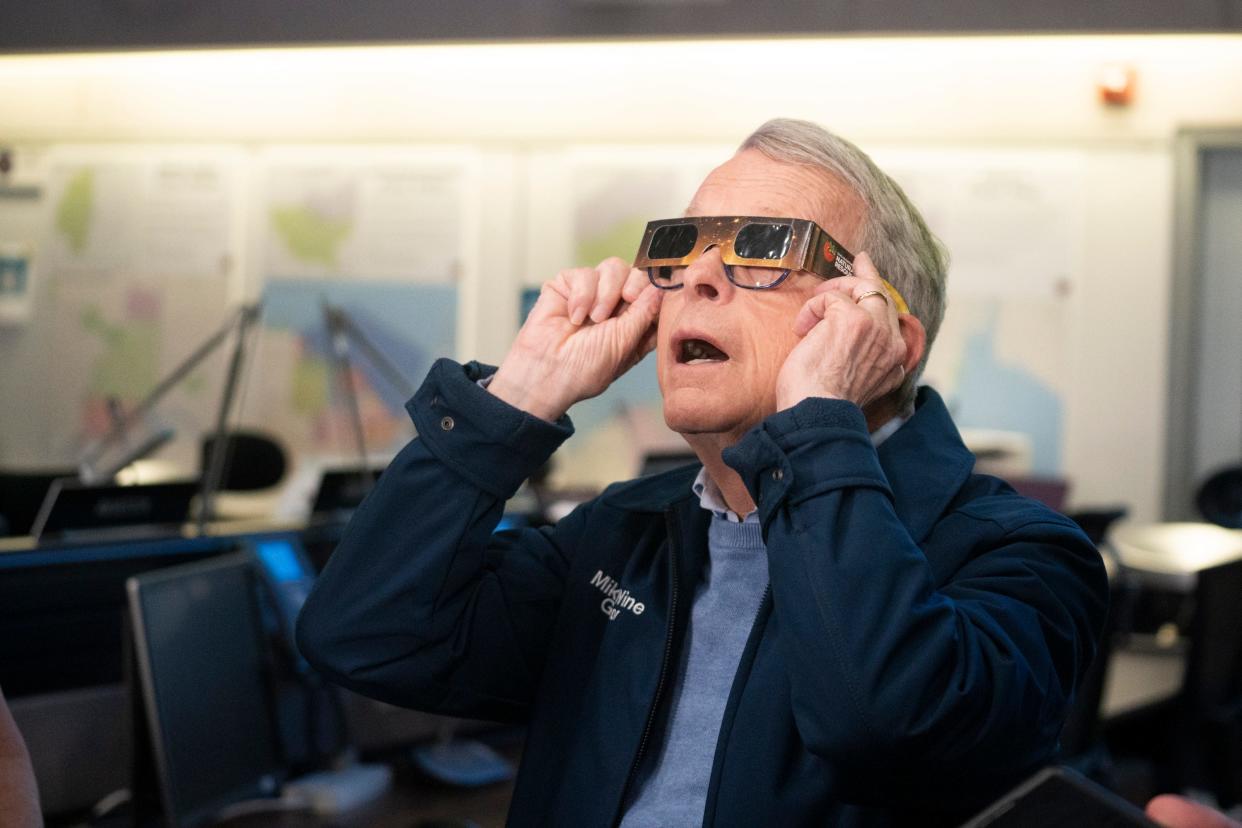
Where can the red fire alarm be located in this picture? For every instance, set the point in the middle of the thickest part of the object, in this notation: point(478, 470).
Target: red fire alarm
point(1116, 85)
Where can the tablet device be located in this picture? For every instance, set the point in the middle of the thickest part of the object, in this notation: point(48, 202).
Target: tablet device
point(1056, 797)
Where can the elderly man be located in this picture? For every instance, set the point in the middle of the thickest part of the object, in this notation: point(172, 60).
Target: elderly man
point(832, 621)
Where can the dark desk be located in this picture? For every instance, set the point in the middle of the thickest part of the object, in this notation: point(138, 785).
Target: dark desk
point(1171, 555)
point(224, 528)
point(413, 800)
point(1140, 676)
point(61, 620)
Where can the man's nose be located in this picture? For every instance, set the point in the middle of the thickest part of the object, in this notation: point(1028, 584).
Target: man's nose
point(705, 276)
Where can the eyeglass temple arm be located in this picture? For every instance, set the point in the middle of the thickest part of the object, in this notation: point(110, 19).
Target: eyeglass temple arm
point(842, 262)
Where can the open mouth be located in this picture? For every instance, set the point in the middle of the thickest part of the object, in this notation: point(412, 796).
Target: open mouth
point(693, 351)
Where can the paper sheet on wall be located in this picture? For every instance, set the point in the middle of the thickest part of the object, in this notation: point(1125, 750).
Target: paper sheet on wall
point(609, 195)
point(1013, 223)
point(353, 219)
point(381, 233)
point(137, 267)
point(140, 214)
point(296, 383)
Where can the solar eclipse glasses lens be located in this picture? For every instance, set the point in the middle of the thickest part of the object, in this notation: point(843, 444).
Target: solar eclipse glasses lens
point(758, 252)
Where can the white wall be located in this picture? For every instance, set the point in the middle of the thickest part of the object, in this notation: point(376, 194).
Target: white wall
point(984, 89)
point(512, 100)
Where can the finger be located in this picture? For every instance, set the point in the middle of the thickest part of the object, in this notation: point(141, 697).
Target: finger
point(841, 284)
point(649, 342)
point(612, 273)
point(867, 290)
point(874, 301)
point(868, 270)
point(645, 346)
point(809, 315)
point(582, 282)
point(870, 294)
point(851, 286)
point(814, 310)
point(553, 301)
point(864, 268)
point(635, 281)
point(865, 277)
point(637, 321)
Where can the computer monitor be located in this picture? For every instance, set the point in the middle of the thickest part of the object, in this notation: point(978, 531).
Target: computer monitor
point(206, 687)
point(21, 495)
point(61, 643)
point(74, 509)
point(61, 609)
point(281, 562)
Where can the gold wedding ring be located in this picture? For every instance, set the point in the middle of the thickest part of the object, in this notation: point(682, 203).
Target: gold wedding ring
point(867, 293)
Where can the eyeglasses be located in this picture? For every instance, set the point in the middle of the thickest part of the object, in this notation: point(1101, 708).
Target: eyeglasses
point(758, 252)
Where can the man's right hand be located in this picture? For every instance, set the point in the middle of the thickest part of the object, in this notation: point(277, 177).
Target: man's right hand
point(590, 326)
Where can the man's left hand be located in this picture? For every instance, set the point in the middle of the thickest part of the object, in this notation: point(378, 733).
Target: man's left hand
point(853, 343)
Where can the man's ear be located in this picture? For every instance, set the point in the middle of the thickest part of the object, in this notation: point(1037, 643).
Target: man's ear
point(915, 337)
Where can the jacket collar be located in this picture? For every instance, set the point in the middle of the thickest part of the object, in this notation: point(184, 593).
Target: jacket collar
point(925, 461)
point(654, 493)
point(926, 464)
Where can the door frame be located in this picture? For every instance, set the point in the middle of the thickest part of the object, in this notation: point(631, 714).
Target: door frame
point(1190, 145)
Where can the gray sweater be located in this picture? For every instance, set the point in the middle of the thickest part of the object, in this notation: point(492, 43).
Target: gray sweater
point(673, 779)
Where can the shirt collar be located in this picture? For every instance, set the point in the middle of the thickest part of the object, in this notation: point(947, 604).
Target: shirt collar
point(711, 498)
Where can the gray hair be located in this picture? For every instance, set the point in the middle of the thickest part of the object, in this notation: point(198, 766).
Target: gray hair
point(905, 252)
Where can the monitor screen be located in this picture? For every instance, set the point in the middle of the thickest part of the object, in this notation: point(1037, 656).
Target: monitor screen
point(21, 495)
point(71, 507)
point(61, 609)
point(205, 686)
point(282, 557)
point(283, 565)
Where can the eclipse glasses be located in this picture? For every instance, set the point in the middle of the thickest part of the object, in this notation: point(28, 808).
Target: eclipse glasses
point(758, 252)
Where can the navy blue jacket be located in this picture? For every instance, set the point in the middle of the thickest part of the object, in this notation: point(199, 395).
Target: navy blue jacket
point(914, 655)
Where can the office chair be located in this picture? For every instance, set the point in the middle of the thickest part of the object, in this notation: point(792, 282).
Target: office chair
point(1082, 739)
point(1220, 498)
point(1095, 522)
point(1083, 731)
point(1209, 716)
point(252, 461)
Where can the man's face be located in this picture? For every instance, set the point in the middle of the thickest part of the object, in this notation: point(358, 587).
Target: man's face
point(753, 328)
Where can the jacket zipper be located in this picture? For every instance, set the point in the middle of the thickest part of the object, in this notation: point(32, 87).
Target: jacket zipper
point(671, 522)
point(763, 602)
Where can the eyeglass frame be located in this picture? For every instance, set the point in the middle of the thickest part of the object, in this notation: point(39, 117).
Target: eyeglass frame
point(811, 248)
